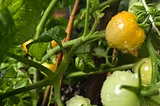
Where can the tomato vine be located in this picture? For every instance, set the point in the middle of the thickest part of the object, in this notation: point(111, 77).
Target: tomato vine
point(130, 35)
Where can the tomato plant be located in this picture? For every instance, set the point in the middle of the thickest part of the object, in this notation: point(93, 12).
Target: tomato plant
point(76, 45)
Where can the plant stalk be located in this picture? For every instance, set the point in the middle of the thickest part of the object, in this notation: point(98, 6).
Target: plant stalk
point(39, 84)
point(56, 49)
point(86, 26)
point(47, 12)
point(80, 73)
point(31, 63)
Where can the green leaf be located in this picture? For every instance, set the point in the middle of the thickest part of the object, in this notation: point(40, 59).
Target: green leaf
point(99, 52)
point(8, 73)
point(55, 33)
point(2, 73)
point(136, 7)
point(37, 50)
point(27, 18)
point(126, 58)
point(38, 47)
point(21, 83)
point(123, 5)
point(85, 63)
point(7, 31)
point(11, 73)
point(94, 4)
point(12, 5)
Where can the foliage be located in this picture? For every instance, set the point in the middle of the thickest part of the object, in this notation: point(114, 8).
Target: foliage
point(23, 77)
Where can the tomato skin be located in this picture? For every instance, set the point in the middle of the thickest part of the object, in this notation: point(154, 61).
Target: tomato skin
point(123, 32)
point(113, 95)
point(78, 101)
point(145, 70)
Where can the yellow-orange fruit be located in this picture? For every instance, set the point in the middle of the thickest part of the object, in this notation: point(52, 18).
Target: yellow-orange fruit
point(123, 32)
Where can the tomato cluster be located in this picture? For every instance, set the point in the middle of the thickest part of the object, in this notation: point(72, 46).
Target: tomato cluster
point(123, 32)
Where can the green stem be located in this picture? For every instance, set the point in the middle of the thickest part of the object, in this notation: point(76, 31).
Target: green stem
point(86, 26)
point(61, 69)
point(56, 49)
point(57, 90)
point(41, 83)
point(102, 7)
point(153, 61)
point(150, 91)
point(150, 17)
point(123, 67)
point(31, 63)
point(50, 96)
point(44, 18)
point(94, 25)
point(62, 48)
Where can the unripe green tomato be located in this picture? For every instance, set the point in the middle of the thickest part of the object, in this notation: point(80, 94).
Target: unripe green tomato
point(145, 70)
point(78, 101)
point(113, 95)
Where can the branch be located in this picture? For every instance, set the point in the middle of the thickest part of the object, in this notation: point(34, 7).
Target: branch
point(41, 83)
point(56, 49)
point(80, 73)
point(44, 18)
point(86, 19)
point(31, 63)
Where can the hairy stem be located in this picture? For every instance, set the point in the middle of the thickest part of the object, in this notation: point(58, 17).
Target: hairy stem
point(86, 19)
point(61, 69)
point(56, 49)
point(153, 56)
point(94, 25)
point(47, 12)
point(80, 73)
point(39, 84)
point(151, 90)
point(31, 63)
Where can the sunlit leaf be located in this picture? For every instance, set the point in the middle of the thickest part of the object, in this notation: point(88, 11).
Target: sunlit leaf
point(37, 50)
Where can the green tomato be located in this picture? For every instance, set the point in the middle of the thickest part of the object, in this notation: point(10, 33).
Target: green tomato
point(78, 101)
point(113, 95)
point(145, 70)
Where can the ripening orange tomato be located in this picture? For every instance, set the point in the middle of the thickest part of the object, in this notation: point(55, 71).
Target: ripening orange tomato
point(123, 32)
